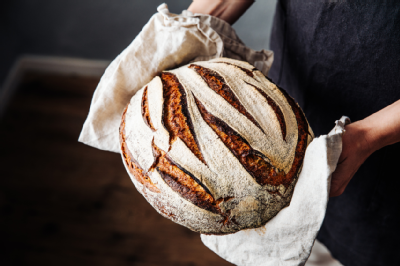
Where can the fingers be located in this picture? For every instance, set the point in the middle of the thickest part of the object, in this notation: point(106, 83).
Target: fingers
point(340, 179)
point(344, 173)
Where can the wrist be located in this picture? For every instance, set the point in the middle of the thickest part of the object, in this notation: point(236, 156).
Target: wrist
point(383, 127)
point(371, 138)
point(358, 135)
point(228, 10)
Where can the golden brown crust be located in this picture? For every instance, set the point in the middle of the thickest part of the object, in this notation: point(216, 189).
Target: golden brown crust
point(133, 166)
point(218, 84)
point(188, 186)
point(176, 117)
point(182, 182)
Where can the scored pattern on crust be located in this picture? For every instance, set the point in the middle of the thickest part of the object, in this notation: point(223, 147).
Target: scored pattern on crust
point(304, 133)
point(218, 84)
point(277, 111)
point(232, 146)
point(176, 117)
point(183, 182)
point(145, 110)
point(132, 165)
point(253, 161)
point(269, 140)
point(247, 71)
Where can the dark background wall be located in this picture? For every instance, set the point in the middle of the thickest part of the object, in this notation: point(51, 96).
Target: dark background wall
point(97, 29)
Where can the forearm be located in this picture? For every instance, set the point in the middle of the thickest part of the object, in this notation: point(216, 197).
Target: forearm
point(381, 128)
point(228, 10)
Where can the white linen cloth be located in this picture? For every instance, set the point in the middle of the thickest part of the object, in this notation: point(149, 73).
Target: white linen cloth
point(168, 41)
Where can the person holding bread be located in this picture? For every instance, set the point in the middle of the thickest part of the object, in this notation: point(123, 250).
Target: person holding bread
point(338, 57)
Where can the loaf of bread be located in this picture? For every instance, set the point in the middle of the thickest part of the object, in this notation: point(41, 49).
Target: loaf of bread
point(214, 146)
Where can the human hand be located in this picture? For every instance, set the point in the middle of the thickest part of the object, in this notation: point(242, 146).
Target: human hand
point(361, 139)
point(355, 150)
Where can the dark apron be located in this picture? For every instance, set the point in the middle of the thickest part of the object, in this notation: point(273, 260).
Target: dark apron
point(343, 58)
